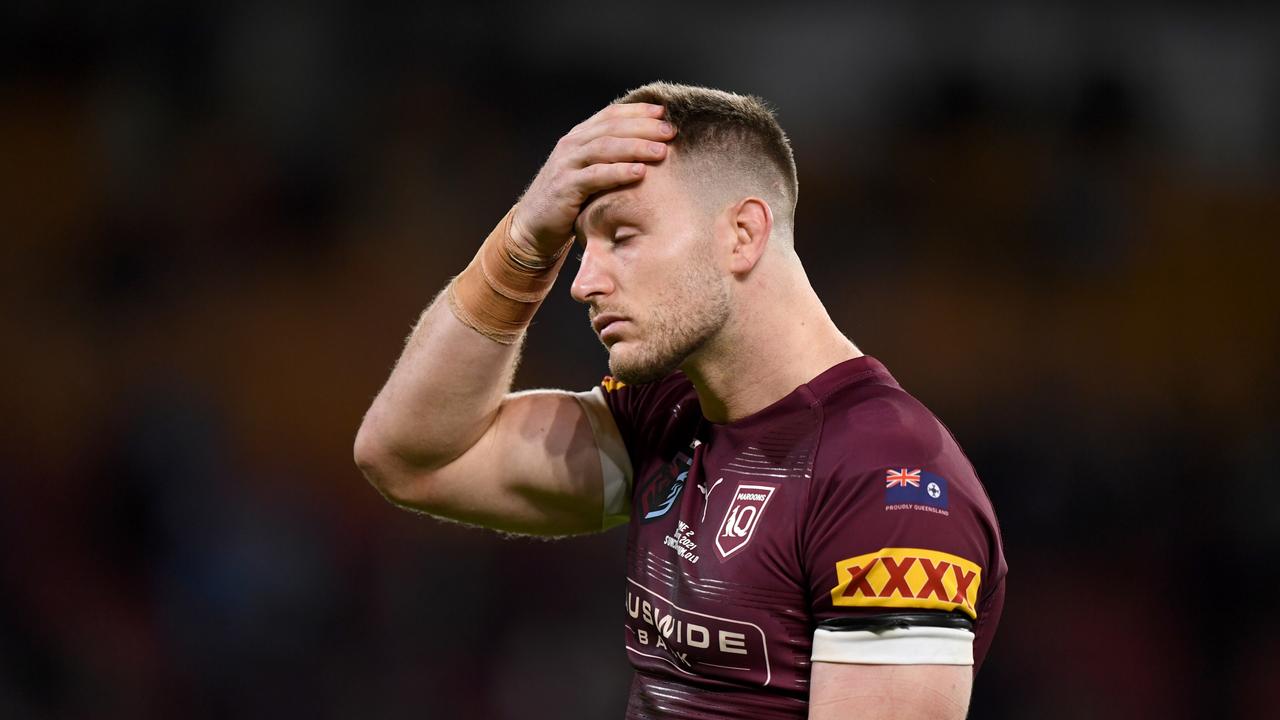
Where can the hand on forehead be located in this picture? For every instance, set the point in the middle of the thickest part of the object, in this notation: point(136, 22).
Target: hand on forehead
point(613, 148)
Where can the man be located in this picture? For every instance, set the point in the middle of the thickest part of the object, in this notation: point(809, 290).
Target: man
point(806, 539)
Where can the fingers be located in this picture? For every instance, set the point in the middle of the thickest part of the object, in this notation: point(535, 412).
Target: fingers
point(590, 128)
point(647, 128)
point(624, 110)
point(633, 110)
point(603, 176)
point(607, 150)
point(618, 149)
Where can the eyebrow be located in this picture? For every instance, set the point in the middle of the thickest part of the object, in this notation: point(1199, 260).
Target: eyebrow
point(601, 207)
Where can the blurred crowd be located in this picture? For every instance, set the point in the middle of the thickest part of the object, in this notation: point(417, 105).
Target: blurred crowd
point(1056, 226)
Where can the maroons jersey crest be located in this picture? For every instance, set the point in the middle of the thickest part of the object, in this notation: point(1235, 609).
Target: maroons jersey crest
point(742, 517)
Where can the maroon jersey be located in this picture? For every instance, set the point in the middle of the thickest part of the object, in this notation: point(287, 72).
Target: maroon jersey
point(759, 546)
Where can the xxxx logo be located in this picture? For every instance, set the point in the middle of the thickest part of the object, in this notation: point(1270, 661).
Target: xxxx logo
point(908, 578)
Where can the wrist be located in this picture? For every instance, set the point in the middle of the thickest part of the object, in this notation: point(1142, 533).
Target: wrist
point(498, 293)
point(525, 249)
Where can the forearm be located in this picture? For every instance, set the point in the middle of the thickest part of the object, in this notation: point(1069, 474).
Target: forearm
point(443, 393)
point(457, 364)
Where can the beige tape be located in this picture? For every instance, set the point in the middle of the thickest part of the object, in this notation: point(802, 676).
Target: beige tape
point(498, 293)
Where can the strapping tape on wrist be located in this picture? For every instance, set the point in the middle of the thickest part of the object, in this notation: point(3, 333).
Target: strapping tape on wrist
point(498, 293)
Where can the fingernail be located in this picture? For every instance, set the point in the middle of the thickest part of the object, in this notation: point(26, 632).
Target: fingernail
point(666, 128)
point(637, 169)
point(656, 148)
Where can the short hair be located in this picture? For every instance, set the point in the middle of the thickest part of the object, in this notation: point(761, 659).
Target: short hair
point(715, 129)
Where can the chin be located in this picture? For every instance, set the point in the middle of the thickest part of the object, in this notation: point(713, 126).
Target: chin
point(630, 365)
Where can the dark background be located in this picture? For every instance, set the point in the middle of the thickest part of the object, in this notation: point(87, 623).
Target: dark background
point(1057, 226)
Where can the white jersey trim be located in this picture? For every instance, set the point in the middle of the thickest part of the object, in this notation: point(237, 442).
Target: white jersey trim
point(615, 463)
point(899, 646)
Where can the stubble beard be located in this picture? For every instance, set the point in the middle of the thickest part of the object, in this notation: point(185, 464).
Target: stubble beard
point(693, 310)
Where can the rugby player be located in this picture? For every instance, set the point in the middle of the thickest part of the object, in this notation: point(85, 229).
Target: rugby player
point(805, 538)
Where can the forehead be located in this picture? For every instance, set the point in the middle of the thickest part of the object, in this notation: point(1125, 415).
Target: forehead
point(610, 208)
point(657, 193)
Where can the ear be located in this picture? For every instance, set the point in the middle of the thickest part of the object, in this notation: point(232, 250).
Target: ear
point(751, 220)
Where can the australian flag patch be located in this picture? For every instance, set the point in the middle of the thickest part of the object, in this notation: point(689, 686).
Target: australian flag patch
point(915, 489)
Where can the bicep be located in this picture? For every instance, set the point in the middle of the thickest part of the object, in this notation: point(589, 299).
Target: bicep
point(538, 469)
point(901, 692)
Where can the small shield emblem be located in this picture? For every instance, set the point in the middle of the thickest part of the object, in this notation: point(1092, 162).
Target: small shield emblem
point(742, 517)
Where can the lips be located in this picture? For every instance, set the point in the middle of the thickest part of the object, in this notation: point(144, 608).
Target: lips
point(603, 321)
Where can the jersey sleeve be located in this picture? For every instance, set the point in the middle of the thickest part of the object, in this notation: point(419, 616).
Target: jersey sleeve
point(899, 557)
point(624, 420)
point(615, 464)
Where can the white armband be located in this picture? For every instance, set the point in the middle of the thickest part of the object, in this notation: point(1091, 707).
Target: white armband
point(894, 640)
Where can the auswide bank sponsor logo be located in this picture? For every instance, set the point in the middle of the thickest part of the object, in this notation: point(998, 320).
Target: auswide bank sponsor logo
point(695, 642)
point(742, 517)
point(908, 578)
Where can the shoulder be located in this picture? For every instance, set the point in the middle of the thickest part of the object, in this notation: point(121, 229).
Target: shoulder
point(881, 449)
point(870, 425)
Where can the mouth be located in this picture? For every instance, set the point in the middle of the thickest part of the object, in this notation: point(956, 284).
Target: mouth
point(602, 323)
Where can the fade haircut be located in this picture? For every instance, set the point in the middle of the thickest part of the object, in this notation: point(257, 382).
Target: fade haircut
point(730, 145)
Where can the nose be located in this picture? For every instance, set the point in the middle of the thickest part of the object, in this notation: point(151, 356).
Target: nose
point(593, 280)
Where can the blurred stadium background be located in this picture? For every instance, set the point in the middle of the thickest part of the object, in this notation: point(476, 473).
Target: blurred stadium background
point(1058, 226)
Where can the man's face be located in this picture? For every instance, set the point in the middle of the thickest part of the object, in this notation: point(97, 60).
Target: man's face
point(650, 276)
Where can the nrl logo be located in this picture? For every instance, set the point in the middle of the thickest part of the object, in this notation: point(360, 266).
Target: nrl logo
point(742, 517)
point(660, 490)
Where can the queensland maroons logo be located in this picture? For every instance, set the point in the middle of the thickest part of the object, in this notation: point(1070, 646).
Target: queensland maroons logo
point(742, 517)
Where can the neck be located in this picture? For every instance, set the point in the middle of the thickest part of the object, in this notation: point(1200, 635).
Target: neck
point(782, 339)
